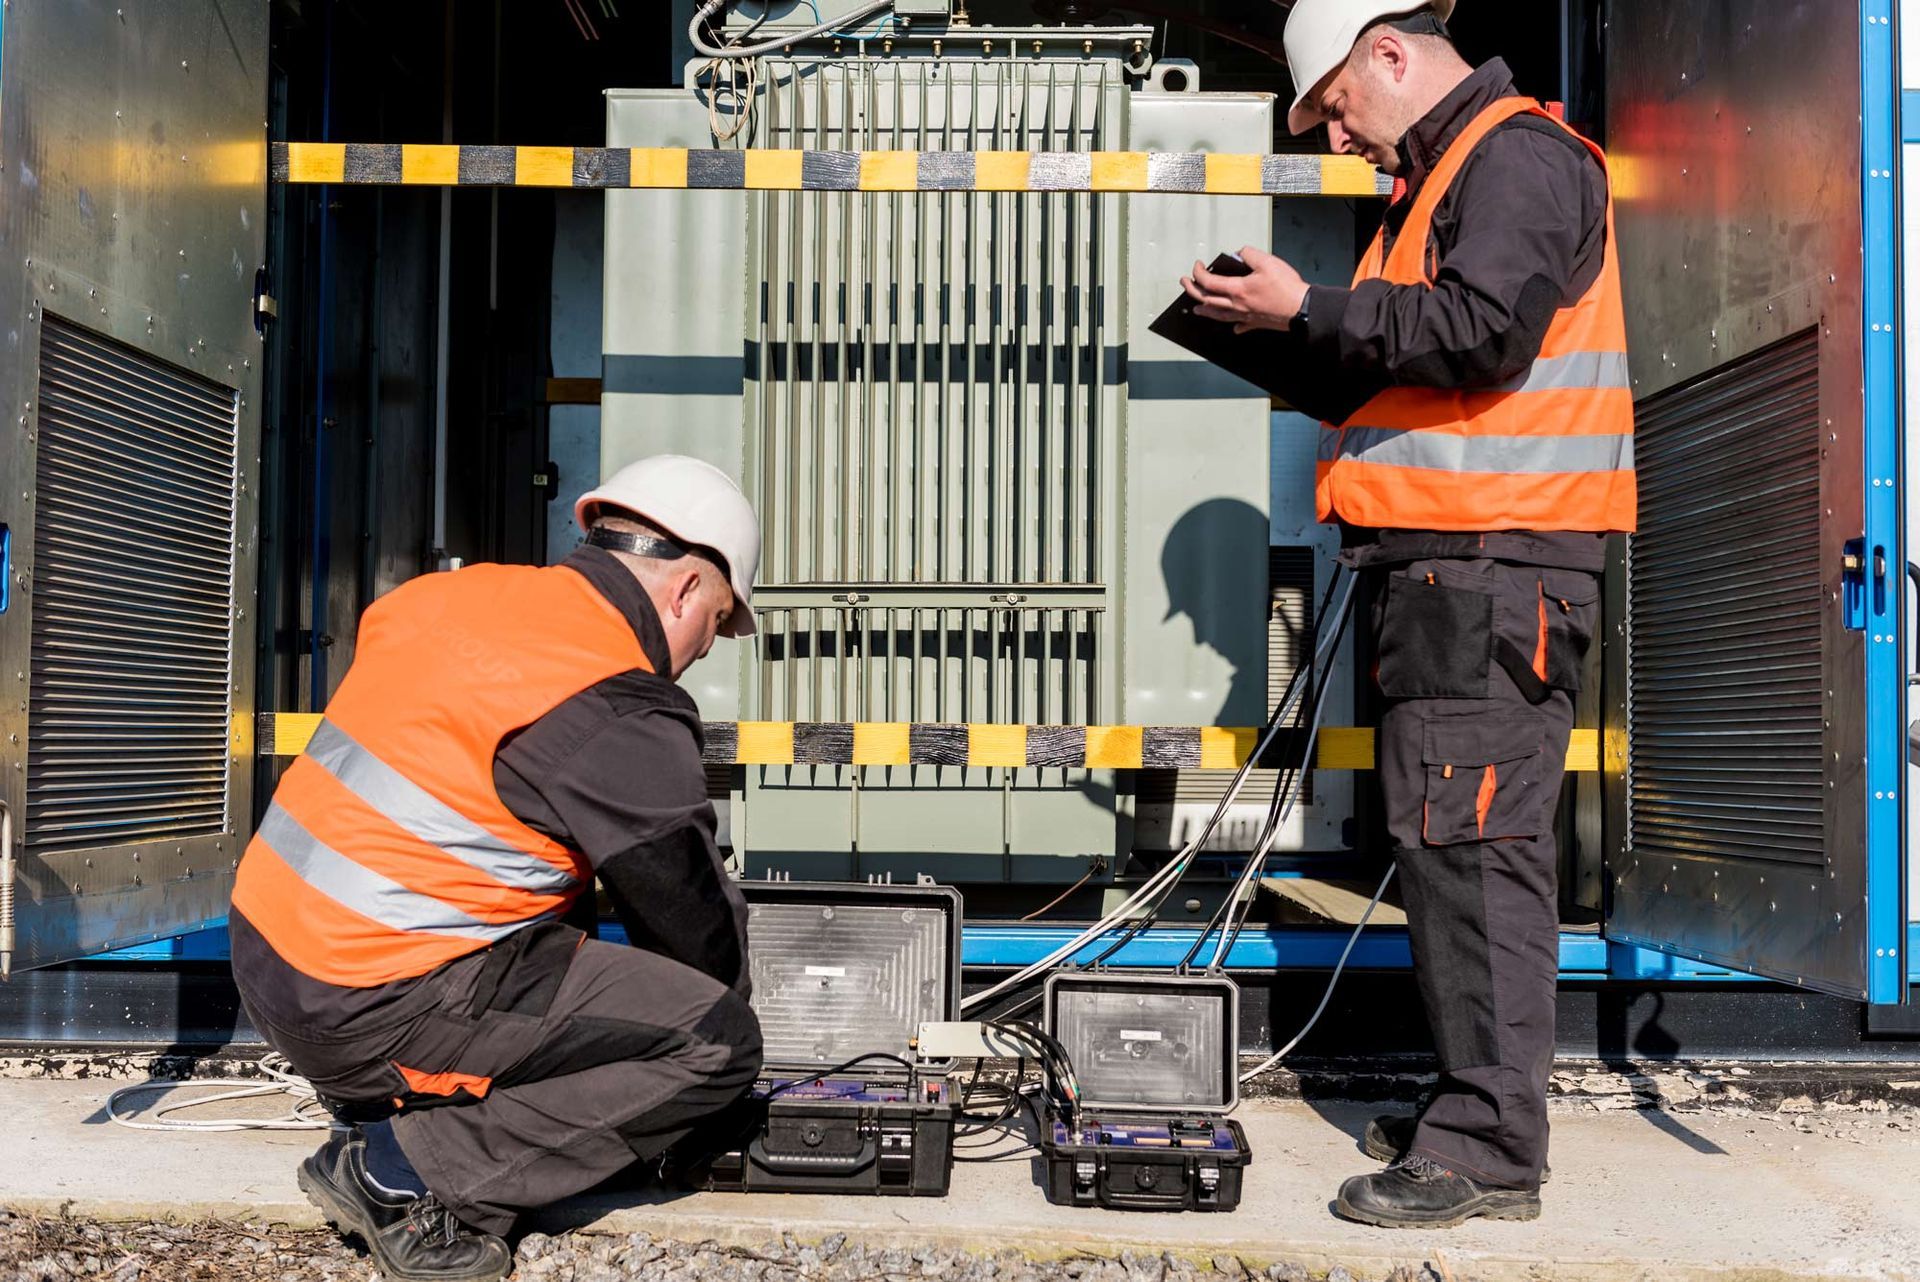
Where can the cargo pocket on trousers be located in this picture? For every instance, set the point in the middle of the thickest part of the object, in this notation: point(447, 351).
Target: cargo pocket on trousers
point(1485, 781)
point(1569, 611)
point(1436, 642)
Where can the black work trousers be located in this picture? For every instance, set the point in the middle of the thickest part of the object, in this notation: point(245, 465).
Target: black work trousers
point(1478, 661)
point(536, 1068)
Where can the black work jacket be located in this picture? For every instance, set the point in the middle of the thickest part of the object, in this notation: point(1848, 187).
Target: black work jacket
point(1519, 235)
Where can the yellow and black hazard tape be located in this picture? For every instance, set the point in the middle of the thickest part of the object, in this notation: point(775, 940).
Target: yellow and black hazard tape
point(680, 168)
point(803, 743)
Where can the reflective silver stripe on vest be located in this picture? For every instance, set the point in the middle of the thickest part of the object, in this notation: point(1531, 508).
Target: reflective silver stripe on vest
point(1447, 452)
point(367, 892)
point(418, 811)
point(1603, 371)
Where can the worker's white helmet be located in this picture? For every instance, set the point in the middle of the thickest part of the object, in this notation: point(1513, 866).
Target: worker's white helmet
point(1320, 38)
point(697, 504)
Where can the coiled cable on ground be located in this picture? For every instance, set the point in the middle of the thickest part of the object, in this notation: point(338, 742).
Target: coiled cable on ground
point(306, 1112)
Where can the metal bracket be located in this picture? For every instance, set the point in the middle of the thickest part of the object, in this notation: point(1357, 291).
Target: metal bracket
point(968, 1039)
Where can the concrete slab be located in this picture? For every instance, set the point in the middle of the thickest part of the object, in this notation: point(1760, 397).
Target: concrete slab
point(1635, 1194)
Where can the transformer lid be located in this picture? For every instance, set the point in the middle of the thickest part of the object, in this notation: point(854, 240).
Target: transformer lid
point(1149, 1043)
point(843, 970)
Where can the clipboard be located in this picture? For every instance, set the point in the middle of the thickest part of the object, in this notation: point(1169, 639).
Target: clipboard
point(1268, 359)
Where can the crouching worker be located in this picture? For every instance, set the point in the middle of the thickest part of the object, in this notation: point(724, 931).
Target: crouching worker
point(505, 735)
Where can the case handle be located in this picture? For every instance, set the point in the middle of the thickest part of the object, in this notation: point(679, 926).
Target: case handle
point(813, 1163)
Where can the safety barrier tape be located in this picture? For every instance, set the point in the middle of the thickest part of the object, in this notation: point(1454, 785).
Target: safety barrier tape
point(803, 743)
point(680, 168)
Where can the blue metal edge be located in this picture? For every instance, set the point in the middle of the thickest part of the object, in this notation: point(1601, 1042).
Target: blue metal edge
point(1880, 449)
point(994, 944)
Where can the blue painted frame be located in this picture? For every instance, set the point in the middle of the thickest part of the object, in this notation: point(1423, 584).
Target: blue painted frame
point(1583, 957)
point(1881, 279)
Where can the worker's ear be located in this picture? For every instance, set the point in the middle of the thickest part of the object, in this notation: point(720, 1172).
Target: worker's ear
point(1388, 53)
point(686, 590)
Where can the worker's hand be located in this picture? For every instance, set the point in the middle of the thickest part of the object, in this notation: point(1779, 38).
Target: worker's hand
point(1268, 299)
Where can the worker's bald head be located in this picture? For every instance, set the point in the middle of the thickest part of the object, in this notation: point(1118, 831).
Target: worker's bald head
point(1399, 71)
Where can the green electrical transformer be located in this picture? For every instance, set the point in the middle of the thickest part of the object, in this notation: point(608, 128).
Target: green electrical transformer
point(989, 494)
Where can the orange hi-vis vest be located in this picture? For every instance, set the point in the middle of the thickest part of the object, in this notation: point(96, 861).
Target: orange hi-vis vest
point(1552, 449)
point(387, 852)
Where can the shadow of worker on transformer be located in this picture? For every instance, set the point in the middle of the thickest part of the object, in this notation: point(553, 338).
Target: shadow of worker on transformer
point(1215, 563)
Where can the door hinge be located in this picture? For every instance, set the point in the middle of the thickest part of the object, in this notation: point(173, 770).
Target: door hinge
point(266, 308)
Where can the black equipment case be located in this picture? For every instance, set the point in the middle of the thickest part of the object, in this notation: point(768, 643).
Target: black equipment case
point(1157, 1060)
point(839, 972)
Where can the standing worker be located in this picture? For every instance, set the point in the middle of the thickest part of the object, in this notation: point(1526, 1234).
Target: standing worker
point(1476, 451)
point(505, 735)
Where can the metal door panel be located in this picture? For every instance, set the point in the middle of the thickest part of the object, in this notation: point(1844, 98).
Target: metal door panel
point(132, 207)
point(1735, 740)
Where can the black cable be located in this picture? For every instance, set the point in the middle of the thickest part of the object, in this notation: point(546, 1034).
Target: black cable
point(1285, 783)
point(1190, 853)
point(1339, 633)
point(1029, 1144)
point(1058, 1073)
point(1300, 674)
point(1018, 1008)
point(1152, 915)
point(798, 1082)
point(1058, 1063)
point(1217, 919)
point(1007, 1109)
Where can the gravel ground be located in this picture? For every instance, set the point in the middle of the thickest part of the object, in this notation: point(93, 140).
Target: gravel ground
point(47, 1249)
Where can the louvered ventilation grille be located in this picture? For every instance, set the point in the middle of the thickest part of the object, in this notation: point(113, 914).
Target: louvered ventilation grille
point(132, 597)
point(1725, 697)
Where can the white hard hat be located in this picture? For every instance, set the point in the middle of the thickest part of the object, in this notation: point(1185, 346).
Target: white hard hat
point(697, 504)
point(1320, 38)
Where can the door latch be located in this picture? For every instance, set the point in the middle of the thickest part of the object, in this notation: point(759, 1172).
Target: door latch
point(1864, 587)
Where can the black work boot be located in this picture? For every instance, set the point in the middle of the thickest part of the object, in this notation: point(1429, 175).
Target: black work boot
point(414, 1239)
point(1419, 1193)
point(1389, 1138)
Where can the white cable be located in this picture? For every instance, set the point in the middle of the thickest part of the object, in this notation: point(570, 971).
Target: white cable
point(1162, 881)
point(1158, 886)
point(306, 1114)
point(714, 7)
point(744, 96)
point(1238, 901)
point(1150, 891)
point(1327, 996)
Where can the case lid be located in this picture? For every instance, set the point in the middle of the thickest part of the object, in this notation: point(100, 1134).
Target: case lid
point(846, 970)
point(1149, 1043)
